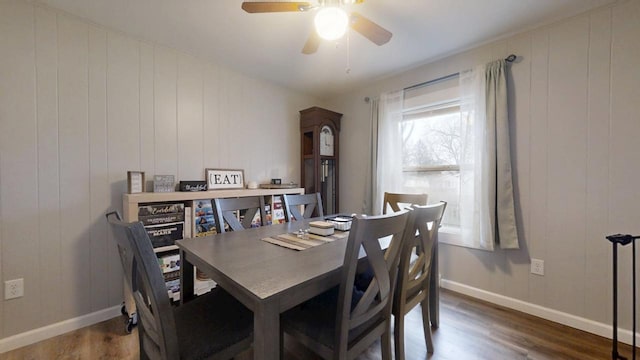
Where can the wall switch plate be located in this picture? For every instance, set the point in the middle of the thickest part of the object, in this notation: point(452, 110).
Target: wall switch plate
point(13, 289)
point(537, 267)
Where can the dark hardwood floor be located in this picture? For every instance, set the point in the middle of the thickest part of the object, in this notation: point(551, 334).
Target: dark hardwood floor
point(470, 329)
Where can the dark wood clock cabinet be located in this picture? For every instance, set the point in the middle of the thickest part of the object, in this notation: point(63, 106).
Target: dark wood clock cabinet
point(319, 133)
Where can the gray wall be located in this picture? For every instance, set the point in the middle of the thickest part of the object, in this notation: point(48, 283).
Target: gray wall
point(79, 106)
point(575, 135)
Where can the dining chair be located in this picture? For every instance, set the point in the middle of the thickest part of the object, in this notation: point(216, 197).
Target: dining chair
point(212, 326)
point(312, 204)
point(226, 211)
point(415, 270)
point(341, 323)
point(395, 200)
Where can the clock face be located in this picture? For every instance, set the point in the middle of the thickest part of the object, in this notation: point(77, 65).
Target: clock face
point(326, 141)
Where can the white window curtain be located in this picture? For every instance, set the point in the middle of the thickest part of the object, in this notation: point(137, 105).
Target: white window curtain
point(387, 168)
point(487, 212)
point(475, 163)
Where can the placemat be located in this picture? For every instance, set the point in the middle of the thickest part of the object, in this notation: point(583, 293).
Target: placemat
point(292, 241)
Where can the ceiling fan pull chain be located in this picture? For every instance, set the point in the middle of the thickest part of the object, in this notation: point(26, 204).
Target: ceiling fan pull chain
point(348, 69)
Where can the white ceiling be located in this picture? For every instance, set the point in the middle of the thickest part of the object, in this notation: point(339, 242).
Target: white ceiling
point(269, 46)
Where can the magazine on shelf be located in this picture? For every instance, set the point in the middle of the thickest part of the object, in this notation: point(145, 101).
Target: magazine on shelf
point(277, 214)
point(267, 213)
point(203, 221)
point(255, 222)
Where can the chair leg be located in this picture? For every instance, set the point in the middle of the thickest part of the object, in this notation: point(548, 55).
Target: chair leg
point(426, 325)
point(398, 336)
point(385, 343)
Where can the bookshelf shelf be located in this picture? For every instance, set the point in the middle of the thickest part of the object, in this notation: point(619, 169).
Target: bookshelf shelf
point(130, 202)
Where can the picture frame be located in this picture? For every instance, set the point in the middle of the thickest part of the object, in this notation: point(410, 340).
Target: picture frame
point(135, 182)
point(164, 183)
point(224, 179)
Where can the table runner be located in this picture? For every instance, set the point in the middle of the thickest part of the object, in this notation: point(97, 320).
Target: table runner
point(292, 241)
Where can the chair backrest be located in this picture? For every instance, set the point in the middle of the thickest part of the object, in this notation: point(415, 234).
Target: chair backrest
point(415, 267)
point(156, 322)
point(395, 200)
point(312, 204)
point(226, 211)
point(368, 234)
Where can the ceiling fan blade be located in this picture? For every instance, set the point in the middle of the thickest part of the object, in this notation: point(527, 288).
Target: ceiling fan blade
point(273, 6)
point(367, 28)
point(312, 44)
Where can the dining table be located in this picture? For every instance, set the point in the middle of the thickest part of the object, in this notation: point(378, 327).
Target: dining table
point(268, 279)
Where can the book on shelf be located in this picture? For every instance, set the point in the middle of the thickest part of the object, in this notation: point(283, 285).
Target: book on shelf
point(165, 234)
point(169, 262)
point(171, 276)
point(164, 222)
point(202, 283)
point(188, 222)
point(161, 218)
point(160, 209)
point(173, 287)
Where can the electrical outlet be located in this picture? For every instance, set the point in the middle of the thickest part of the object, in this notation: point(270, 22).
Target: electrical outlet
point(537, 266)
point(13, 289)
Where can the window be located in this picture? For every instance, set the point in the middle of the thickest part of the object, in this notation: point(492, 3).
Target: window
point(450, 140)
point(431, 146)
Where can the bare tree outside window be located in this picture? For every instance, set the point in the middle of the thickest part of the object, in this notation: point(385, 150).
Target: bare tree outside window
point(431, 156)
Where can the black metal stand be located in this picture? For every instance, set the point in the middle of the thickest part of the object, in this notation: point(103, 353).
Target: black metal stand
point(622, 240)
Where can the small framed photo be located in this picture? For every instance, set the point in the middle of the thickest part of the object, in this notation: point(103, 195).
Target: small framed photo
point(218, 179)
point(135, 182)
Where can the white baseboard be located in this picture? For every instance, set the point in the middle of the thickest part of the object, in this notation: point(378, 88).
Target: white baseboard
point(594, 327)
point(49, 331)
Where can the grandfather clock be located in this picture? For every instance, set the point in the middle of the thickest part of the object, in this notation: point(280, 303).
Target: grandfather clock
point(319, 129)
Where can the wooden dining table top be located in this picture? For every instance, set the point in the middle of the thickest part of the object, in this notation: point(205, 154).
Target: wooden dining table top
point(260, 268)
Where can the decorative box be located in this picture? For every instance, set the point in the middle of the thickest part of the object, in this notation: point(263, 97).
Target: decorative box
point(322, 228)
point(341, 223)
point(193, 185)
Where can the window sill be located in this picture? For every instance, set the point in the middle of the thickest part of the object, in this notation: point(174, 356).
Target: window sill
point(450, 235)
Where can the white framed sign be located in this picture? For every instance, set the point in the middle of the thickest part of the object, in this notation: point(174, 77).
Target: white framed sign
point(218, 179)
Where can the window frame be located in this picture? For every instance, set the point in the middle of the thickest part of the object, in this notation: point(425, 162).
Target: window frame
point(450, 234)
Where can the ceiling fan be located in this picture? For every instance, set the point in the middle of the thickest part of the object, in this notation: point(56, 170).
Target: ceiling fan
point(331, 20)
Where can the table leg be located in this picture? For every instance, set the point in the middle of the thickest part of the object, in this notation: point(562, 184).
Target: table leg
point(266, 332)
point(186, 279)
point(434, 289)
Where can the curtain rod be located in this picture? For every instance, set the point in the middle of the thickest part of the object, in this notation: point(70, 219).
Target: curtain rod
point(511, 58)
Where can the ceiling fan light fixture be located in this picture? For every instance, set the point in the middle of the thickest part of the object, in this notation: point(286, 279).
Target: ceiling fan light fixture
point(331, 23)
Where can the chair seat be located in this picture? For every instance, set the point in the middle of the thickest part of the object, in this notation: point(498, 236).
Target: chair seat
point(316, 319)
point(218, 314)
